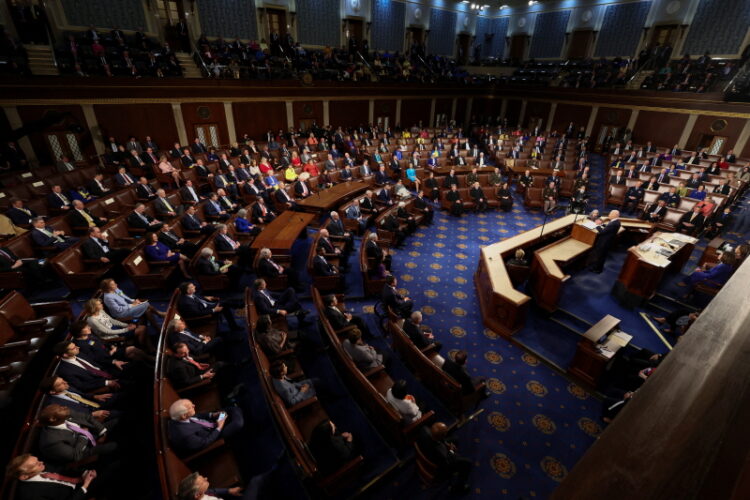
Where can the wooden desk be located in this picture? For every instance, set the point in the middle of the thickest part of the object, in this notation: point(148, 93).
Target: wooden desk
point(643, 271)
point(503, 307)
point(328, 199)
point(711, 253)
point(546, 275)
point(589, 363)
point(280, 234)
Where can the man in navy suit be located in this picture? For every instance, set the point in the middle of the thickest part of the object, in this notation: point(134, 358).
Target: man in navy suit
point(607, 233)
point(393, 299)
point(56, 199)
point(191, 222)
point(192, 305)
point(198, 344)
point(34, 482)
point(190, 432)
point(198, 147)
point(44, 236)
point(275, 303)
point(123, 178)
point(80, 372)
point(99, 406)
point(20, 215)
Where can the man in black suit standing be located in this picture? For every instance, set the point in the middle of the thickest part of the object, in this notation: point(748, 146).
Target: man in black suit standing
point(607, 233)
point(34, 482)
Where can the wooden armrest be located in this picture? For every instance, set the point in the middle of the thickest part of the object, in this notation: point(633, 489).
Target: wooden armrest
point(375, 370)
point(345, 329)
point(159, 262)
point(343, 471)
point(284, 353)
point(426, 417)
point(197, 385)
point(93, 262)
point(31, 325)
point(16, 344)
point(55, 307)
point(303, 404)
point(219, 443)
point(429, 349)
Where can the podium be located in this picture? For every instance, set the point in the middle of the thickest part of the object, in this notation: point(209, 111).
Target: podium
point(596, 348)
point(646, 264)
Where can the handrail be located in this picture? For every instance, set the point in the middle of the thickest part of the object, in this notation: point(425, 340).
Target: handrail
point(742, 73)
point(198, 59)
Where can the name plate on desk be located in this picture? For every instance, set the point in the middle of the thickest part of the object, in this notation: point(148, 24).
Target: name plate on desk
point(109, 201)
point(26, 175)
point(37, 184)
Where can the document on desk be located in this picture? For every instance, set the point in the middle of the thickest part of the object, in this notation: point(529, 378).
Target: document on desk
point(683, 238)
point(648, 253)
point(589, 224)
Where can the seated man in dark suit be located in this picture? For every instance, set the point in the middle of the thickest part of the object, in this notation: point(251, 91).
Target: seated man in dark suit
point(44, 236)
point(189, 195)
point(191, 222)
point(30, 268)
point(66, 438)
point(633, 197)
point(56, 199)
point(162, 206)
point(139, 219)
point(339, 318)
point(96, 186)
point(692, 222)
point(267, 268)
point(321, 266)
point(190, 432)
point(100, 406)
point(183, 371)
point(655, 212)
point(34, 482)
point(337, 230)
point(456, 368)
point(275, 303)
point(123, 178)
point(197, 344)
point(225, 243)
point(331, 447)
point(192, 305)
point(208, 265)
point(96, 247)
point(176, 243)
point(144, 190)
point(379, 256)
point(443, 453)
point(261, 214)
point(20, 215)
point(215, 209)
point(81, 372)
point(420, 335)
point(80, 216)
point(393, 299)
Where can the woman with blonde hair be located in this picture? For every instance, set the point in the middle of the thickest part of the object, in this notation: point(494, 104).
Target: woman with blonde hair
point(107, 328)
point(165, 167)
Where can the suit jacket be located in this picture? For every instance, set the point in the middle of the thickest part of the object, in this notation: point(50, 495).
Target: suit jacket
point(364, 356)
point(459, 374)
point(191, 307)
point(77, 220)
point(392, 298)
point(135, 221)
point(257, 213)
point(93, 250)
point(54, 200)
point(436, 452)
point(62, 446)
point(189, 437)
point(190, 223)
point(37, 490)
point(322, 267)
point(20, 217)
point(299, 189)
point(145, 191)
point(161, 207)
point(120, 179)
point(415, 335)
point(607, 233)
point(291, 392)
point(697, 221)
point(80, 377)
point(5, 264)
point(41, 239)
point(181, 373)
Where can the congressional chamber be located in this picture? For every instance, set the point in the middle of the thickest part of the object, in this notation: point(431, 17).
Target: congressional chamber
point(374, 249)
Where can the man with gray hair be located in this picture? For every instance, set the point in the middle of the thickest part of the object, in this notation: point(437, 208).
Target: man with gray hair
point(268, 268)
point(198, 344)
point(189, 432)
point(337, 230)
point(161, 205)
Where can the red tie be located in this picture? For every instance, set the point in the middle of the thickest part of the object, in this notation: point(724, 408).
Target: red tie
point(89, 368)
point(200, 366)
point(60, 477)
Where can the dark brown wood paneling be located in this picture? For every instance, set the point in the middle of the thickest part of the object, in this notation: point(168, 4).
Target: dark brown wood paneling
point(663, 129)
point(308, 110)
point(461, 111)
point(703, 124)
point(31, 116)
point(196, 113)
point(746, 151)
point(566, 113)
point(415, 110)
point(124, 120)
point(513, 111)
point(348, 113)
point(386, 108)
point(5, 128)
point(534, 111)
point(255, 118)
point(617, 117)
point(443, 106)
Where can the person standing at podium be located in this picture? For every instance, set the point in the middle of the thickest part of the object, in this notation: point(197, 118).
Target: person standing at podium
point(607, 233)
